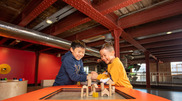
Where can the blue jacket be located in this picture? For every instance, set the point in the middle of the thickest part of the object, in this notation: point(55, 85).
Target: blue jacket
point(71, 71)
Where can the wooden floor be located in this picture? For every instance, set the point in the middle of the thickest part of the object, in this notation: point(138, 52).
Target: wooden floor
point(33, 88)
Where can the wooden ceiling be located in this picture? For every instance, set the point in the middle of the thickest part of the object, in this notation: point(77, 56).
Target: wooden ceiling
point(145, 24)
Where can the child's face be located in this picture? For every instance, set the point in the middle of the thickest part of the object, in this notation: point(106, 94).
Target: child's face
point(78, 52)
point(106, 55)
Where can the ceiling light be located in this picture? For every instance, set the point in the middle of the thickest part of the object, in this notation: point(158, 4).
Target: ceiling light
point(136, 52)
point(17, 41)
point(49, 21)
point(108, 37)
point(59, 55)
point(168, 32)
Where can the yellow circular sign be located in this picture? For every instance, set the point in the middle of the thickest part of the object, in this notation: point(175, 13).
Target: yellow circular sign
point(5, 69)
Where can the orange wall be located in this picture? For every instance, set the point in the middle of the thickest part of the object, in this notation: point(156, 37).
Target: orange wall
point(23, 65)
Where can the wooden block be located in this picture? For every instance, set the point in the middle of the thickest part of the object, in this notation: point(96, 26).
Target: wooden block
point(82, 91)
point(94, 86)
point(105, 92)
point(89, 80)
point(110, 82)
point(95, 94)
point(47, 83)
point(113, 89)
point(110, 91)
point(102, 86)
point(91, 93)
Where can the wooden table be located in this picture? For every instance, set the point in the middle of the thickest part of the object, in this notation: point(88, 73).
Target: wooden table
point(51, 92)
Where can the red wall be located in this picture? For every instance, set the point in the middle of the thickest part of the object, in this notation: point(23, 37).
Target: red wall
point(49, 66)
point(23, 65)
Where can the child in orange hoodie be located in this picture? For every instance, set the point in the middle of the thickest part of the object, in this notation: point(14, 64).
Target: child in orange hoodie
point(115, 69)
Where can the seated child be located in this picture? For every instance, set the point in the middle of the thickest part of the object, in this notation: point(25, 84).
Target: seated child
point(115, 70)
point(71, 70)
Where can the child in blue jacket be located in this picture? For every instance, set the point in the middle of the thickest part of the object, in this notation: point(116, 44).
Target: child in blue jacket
point(71, 70)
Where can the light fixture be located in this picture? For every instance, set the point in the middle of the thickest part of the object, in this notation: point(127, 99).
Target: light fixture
point(18, 41)
point(136, 52)
point(59, 55)
point(49, 21)
point(108, 37)
point(169, 32)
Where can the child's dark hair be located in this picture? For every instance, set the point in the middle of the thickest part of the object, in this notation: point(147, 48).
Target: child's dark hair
point(107, 46)
point(78, 43)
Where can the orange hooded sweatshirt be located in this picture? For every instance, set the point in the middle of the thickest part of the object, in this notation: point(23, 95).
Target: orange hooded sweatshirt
point(117, 73)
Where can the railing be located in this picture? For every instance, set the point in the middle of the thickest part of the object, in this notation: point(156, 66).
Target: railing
point(156, 78)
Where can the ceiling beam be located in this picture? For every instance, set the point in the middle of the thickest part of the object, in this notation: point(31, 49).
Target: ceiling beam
point(77, 18)
point(165, 25)
point(95, 31)
point(170, 56)
point(128, 48)
point(3, 41)
point(96, 43)
point(26, 46)
point(113, 5)
point(13, 43)
point(165, 37)
point(94, 14)
point(167, 52)
point(67, 23)
point(129, 39)
point(38, 9)
point(163, 44)
point(172, 59)
point(167, 48)
point(28, 15)
point(42, 50)
point(156, 13)
point(27, 9)
point(87, 9)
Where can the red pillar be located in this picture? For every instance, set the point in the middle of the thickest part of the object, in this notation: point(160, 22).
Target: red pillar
point(157, 65)
point(147, 69)
point(37, 53)
point(116, 34)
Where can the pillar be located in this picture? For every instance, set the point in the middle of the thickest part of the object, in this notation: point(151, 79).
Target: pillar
point(147, 69)
point(37, 53)
point(116, 34)
point(157, 68)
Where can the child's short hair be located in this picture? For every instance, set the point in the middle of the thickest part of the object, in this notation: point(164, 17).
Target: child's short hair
point(78, 43)
point(107, 46)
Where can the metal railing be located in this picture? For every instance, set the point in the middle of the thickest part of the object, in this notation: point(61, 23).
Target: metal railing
point(156, 78)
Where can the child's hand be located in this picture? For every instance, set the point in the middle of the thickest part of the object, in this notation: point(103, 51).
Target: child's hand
point(94, 75)
point(93, 72)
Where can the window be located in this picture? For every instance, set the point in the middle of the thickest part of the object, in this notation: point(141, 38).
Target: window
point(86, 69)
point(141, 73)
point(176, 68)
point(142, 68)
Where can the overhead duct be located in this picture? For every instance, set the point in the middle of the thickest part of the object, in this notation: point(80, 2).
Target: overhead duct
point(21, 33)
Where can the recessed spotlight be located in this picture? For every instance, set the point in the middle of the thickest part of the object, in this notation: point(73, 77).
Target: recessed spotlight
point(48, 21)
point(168, 32)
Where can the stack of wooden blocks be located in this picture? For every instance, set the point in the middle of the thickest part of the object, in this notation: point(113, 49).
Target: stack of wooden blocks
point(93, 92)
